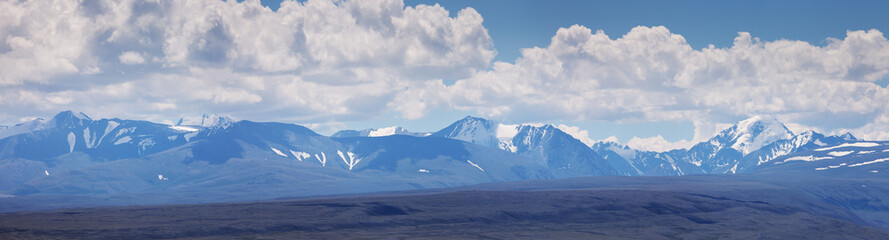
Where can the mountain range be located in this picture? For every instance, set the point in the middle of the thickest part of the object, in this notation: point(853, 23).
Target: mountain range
point(215, 158)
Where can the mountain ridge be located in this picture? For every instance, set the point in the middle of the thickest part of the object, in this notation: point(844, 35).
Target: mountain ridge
point(227, 160)
point(749, 143)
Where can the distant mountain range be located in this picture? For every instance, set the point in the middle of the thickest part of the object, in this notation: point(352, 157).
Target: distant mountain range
point(740, 148)
point(377, 132)
point(215, 157)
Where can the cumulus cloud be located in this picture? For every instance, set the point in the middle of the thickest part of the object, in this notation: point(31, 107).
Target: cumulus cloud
point(652, 74)
point(316, 60)
point(39, 39)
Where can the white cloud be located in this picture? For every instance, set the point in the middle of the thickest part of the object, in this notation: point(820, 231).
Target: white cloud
point(316, 60)
point(163, 106)
point(130, 58)
point(651, 74)
point(658, 144)
point(579, 134)
point(39, 39)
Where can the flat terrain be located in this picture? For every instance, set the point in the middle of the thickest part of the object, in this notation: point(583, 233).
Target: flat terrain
point(736, 211)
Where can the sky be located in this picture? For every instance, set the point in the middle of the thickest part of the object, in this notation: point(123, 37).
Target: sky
point(654, 74)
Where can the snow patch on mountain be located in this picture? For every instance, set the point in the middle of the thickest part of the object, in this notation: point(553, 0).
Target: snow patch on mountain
point(87, 138)
point(351, 161)
point(805, 158)
point(123, 140)
point(184, 128)
point(300, 155)
point(322, 159)
point(870, 162)
point(125, 131)
point(108, 129)
point(71, 140)
point(145, 144)
point(475, 165)
point(831, 167)
point(855, 144)
point(854, 165)
point(386, 131)
point(278, 152)
point(840, 153)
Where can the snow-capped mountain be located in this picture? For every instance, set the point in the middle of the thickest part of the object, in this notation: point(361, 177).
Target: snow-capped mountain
point(752, 142)
point(378, 132)
point(475, 130)
point(26, 127)
point(236, 160)
point(722, 153)
point(739, 148)
point(645, 163)
point(561, 153)
point(102, 140)
point(752, 134)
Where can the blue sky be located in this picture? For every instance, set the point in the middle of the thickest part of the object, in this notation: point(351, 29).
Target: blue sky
point(819, 65)
point(523, 23)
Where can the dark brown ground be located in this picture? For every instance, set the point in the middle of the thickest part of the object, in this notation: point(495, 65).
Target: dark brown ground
point(577, 214)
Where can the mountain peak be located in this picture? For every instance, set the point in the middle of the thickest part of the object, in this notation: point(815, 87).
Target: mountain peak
point(70, 119)
point(753, 133)
point(206, 120)
point(473, 119)
point(759, 120)
point(848, 137)
point(471, 129)
point(68, 114)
